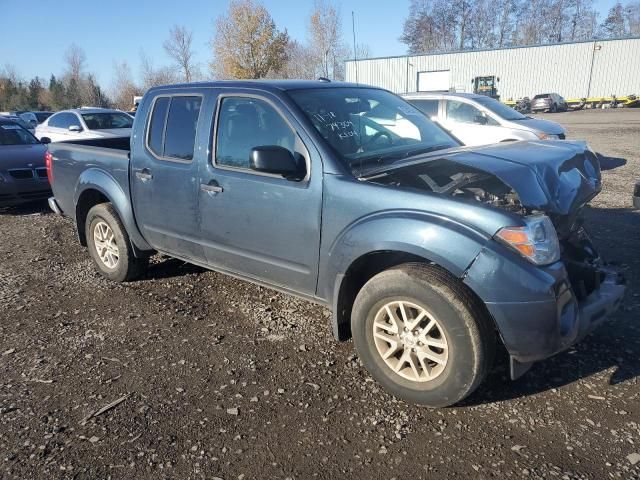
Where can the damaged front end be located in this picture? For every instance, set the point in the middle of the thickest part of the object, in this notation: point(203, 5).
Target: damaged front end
point(541, 305)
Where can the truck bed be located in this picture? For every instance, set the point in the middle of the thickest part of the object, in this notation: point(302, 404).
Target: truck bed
point(79, 161)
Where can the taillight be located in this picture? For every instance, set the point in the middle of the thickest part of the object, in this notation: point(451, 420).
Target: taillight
point(48, 162)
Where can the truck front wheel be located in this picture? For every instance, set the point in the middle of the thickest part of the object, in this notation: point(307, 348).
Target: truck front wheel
point(422, 334)
point(110, 247)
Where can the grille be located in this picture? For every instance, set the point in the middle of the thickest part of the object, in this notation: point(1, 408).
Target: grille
point(21, 173)
point(41, 172)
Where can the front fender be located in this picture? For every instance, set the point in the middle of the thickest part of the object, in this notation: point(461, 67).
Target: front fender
point(107, 185)
point(449, 244)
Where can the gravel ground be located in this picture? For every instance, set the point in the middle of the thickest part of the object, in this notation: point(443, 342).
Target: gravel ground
point(191, 374)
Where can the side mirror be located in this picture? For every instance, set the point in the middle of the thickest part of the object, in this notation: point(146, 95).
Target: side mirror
point(480, 119)
point(75, 128)
point(277, 160)
point(45, 140)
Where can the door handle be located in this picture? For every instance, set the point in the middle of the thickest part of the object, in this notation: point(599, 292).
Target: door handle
point(212, 187)
point(144, 175)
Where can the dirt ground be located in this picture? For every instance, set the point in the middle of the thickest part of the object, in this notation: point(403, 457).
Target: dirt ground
point(216, 377)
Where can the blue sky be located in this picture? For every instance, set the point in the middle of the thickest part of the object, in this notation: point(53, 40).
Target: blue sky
point(35, 34)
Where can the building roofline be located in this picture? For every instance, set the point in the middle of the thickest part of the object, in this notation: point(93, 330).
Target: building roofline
point(434, 54)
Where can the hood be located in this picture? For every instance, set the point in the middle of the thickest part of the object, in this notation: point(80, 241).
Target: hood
point(544, 126)
point(110, 133)
point(556, 177)
point(21, 156)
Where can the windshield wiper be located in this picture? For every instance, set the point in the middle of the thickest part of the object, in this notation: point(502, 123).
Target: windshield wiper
point(398, 155)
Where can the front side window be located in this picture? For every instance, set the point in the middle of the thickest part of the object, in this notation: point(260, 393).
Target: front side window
point(63, 120)
point(173, 125)
point(245, 123)
point(12, 134)
point(368, 128)
point(107, 120)
point(461, 112)
point(500, 109)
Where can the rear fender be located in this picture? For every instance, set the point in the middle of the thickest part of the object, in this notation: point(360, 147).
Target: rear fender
point(101, 181)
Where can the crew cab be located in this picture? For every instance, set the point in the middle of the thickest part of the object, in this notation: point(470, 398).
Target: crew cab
point(427, 252)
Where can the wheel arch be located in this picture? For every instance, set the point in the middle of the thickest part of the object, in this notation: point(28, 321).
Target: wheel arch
point(95, 187)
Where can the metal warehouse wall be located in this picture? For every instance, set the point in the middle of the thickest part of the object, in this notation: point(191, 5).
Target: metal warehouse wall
point(524, 71)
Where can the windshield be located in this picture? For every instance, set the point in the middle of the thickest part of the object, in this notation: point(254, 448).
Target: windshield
point(367, 127)
point(12, 134)
point(107, 120)
point(500, 109)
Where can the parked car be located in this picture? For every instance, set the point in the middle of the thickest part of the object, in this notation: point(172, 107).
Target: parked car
point(42, 115)
point(636, 195)
point(23, 176)
point(85, 123)
point(481, 120)
point(548, 102)
point(428, 253)
point(25, 121)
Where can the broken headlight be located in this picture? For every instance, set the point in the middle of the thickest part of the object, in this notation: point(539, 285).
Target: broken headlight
point(537, 241)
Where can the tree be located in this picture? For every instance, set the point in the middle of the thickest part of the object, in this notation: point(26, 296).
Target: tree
point(152, 76)
point(300, 63)
point(75, 59)
point(582, 20)
point(178, 48)
point(632, 18)
point(247, 43)
point(430, 27)
point(35, 92)
point(325, 36)
point(614, 25)
point(123, 88)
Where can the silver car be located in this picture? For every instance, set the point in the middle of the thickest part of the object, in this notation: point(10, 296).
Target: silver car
point(85, 123)
point(481, 120)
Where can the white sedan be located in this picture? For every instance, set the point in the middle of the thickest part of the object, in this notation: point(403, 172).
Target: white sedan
point(85, 123)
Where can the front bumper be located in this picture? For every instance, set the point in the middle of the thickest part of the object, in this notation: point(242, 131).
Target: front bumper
point(18, 192)
point(535, 309)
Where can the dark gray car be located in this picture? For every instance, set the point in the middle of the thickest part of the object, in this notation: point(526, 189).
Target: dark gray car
point(23, 176)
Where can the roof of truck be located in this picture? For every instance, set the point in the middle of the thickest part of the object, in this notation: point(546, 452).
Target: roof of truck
point(264, 84)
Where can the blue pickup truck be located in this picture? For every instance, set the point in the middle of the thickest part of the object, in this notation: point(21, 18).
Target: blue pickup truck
point(428, 253)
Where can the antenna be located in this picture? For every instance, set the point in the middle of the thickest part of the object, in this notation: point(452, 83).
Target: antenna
point(355, 51)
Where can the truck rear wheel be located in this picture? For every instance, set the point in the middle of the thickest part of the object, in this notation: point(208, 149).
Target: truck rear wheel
point(109, 245)
point(422, 334)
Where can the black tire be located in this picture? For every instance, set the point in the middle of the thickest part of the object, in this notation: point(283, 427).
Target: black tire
point(128, 267)
point(466, 326)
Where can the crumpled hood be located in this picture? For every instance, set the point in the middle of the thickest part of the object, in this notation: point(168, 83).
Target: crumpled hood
point(21, 156)
point(544, 126)
point(556, 177)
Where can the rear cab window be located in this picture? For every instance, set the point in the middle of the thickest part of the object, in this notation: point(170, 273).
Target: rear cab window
point(171, 133)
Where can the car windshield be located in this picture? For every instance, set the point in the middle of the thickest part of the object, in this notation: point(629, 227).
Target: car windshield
point(107, 120)
point(42, 116)
point(542, 95)
point(13, 134)
point(500, 109)
point(369, 128)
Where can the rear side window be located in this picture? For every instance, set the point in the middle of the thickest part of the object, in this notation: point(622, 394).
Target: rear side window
point(428, 107)
point(172, 130)
point(156, 127)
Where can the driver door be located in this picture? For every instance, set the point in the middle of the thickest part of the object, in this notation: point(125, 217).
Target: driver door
point(470, 124)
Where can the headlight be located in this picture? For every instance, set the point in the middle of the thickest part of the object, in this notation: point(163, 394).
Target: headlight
point(548, 136)
point(537, 241)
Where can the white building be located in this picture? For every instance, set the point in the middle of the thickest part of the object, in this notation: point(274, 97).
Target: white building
point(574, 70)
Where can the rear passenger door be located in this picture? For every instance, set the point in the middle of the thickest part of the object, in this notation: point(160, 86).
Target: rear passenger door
point(164, 175)
point(260, 225)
